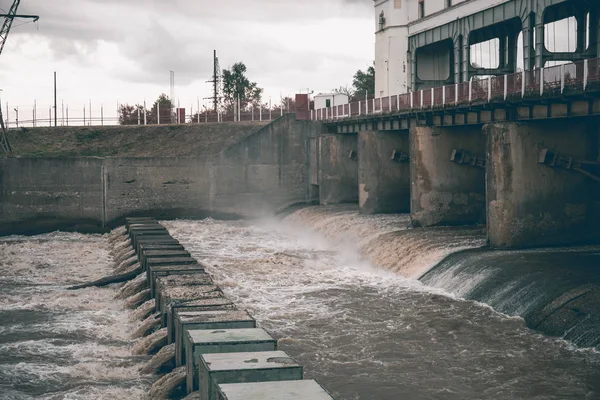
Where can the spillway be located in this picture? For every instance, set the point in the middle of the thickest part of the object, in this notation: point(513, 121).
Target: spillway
point(341, 293)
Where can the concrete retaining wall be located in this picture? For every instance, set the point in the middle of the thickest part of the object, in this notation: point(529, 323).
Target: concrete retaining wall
point(263, 172)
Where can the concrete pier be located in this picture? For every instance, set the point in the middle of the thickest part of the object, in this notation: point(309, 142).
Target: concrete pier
point(195, 318)
point(263, 366)
point(199, 342)
point(383, 172)
point(531, 204)
point(216, 319)
point(283, 390)
point(338, 175)
point(443, 192)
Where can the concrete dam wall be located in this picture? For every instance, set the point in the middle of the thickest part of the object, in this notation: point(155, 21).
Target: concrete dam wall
point(245, 172)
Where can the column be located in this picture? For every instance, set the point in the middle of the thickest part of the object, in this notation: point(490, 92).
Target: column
point(338, 169)
point(383, 172)
point(530, 204)
point(443, 192)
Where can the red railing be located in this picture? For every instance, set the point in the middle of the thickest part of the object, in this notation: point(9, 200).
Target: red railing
point(550, 81)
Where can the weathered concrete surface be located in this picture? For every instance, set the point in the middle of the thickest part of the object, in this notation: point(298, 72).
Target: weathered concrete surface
point(530, 204)
point(49, 194)
point(252, 173)
point(442, 192)
point(338, 171)
point(383, 183)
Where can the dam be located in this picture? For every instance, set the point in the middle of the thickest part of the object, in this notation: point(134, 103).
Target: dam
point(371, 305)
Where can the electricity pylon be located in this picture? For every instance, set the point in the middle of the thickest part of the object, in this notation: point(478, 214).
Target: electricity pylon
point(7, 24)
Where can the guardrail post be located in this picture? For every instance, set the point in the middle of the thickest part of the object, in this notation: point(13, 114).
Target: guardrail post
point(456, 93)
point(443, 95)
point(421, 99)
point(523, 77)
point(373, 109)
point(585, 74)
point(359, 108)
point(389, 103)
point(489, 89)
point(411, 100)
point(366, 106)
point(562, 78)
point(505, 86)
point(542, 81)
point(398, 102)
point(432, 97)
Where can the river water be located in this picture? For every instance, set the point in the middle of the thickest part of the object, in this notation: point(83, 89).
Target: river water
point(58, 344)
point(336, 288)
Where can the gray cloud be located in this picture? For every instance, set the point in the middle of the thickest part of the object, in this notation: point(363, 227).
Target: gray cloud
point(155, 36)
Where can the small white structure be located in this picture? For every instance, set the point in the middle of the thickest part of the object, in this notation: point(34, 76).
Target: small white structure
point(325, 100)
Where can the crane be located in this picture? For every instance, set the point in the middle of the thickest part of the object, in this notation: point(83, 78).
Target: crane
point(8, 20)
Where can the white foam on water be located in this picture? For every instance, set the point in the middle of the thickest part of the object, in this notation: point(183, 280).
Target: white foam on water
point(368, 333)
point(61, 344)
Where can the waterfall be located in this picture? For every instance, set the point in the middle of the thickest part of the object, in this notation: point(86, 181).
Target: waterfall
point(164, 360)
point(132, 287)
point(148, 326)
point(169, 385)
point(151, 343)
point(144, 311)
point(138, 299)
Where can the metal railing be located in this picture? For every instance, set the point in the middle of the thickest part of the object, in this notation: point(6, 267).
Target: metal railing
point(546, 82)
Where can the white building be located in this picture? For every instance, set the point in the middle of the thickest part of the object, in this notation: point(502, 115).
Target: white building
point(395, 21)
point(324, 100)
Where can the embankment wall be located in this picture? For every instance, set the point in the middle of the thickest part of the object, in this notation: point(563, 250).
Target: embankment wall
point(264, 171)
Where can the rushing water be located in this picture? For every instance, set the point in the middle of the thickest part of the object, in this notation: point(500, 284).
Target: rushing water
point(367, 333)
point(311, 280)
point(58, 344)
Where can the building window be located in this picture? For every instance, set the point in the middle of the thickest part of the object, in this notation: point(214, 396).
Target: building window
point(421, 8)
point(328, 103)
point(448, 3)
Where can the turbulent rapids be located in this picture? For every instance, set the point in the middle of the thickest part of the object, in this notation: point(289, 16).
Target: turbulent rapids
point(339, 290)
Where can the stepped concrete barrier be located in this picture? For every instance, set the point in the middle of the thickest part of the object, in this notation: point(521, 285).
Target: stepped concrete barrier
point(194, 331)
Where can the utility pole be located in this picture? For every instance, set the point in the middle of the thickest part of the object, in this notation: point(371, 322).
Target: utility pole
point(216, 81)
point(55, 105)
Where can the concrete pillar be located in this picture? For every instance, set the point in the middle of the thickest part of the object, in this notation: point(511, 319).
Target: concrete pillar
point(383, 176)
point(338, 169)
point(528, 43)
point(442, 192)
point(530, 204)
point(458, 59)
point(540, 43)
point(466, 59)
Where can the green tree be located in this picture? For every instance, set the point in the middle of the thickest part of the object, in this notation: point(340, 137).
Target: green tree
point(128, 114)
point(364, 81)
point(237, 85)
point(163, 105)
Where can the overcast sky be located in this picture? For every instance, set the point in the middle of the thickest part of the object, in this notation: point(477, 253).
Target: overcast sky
point(122, 50)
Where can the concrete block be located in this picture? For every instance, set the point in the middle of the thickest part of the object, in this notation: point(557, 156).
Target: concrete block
point(164, 239)
point(283, 390)
point(149, 246)
point(168, 270)
point(180, 293)
point(216, 319)
point(201, 342)
point(138, 235)
point(144, 255)
point(152, 262)
point(267, 366)
point(205, 304)
point(138, 220)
